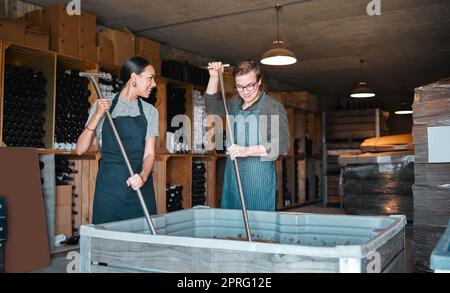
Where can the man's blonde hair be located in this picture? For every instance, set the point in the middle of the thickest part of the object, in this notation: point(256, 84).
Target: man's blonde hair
point(245, 67)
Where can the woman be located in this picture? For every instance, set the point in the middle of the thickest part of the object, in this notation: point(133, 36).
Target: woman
point(137, 125)
point(259, 139)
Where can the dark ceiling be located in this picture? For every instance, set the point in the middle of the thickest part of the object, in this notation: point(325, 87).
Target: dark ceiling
point(409, 44)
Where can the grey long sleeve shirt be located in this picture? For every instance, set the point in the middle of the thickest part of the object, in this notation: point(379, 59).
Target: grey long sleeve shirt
point(278, 136)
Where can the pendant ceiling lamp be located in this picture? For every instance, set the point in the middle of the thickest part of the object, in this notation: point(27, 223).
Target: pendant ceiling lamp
point(278, 55)
point(404, 108)
point(362, 91)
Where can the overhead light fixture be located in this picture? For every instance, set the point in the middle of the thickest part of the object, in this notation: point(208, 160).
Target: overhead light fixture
point(362, 91)
point(405, 108)
point(278, 55)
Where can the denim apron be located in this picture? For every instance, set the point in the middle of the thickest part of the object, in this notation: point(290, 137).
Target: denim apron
point(114, 200)
point(258, 176)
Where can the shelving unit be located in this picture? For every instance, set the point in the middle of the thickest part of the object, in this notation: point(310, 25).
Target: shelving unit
point(344, 132)
point(44, 61)
point(303, 180)
point(168, 168)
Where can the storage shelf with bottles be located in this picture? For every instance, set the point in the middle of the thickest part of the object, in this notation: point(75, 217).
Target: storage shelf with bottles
point(299, 178)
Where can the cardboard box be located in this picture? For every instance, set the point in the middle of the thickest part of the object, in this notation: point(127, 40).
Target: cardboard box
point(12, 30)
point(36, 18)
point(87, 36)
point(105, 51)
point(63, 28)
point(61, 24)
point(148, 49)
point(124, 44)
point(36, 38)
point(65, 46)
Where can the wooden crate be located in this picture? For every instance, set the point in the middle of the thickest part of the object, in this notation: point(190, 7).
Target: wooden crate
point(179, 172)
point(84, 189)
point(210, 185)
point(291, 123)
point(41, 60)
point(64, 210)
point(356, 124)
point(220, 174)
point(159, 183)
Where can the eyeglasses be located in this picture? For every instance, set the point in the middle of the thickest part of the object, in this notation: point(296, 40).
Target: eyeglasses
point(249, 88)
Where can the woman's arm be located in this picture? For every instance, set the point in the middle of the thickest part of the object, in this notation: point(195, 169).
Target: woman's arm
point(149, 158)
point(138, 180)
point(87, 136)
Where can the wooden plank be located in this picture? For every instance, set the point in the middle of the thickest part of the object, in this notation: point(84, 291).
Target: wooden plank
point(211, 183)
point(78, 190)
point(351, 134)
point(131, 256)
point(301, 169)
point(299, 124)
point(290, 166)
point(2, 70)
point(350, 127)
point(317, 137)
point(64, 210)
point(159, 183)
point(291, 122)
point(333, 199)
point(25, 211)
point(377, 123)
point(352, 113)
point(349, 120)
point(161, 106)
point(220, 174)
point(279, 172)
point(93, 171)
point(83, 213)
point(179, 172)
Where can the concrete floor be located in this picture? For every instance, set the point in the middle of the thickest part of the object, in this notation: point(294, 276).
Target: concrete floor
point(60, 263)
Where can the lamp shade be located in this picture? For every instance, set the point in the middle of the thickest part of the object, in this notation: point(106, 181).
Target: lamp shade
point(404, 109)
point(362, 92)
point(278, 55)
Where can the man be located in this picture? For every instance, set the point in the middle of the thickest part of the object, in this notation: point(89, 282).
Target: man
point(261, 134)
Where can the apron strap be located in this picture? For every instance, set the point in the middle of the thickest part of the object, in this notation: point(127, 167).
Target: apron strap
point(141, 108)
point(114, 103)
point(261, 102)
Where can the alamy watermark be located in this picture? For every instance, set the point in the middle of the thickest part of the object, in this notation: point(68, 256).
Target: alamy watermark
point(248, 131)
point(74, 7)
point(374, 8)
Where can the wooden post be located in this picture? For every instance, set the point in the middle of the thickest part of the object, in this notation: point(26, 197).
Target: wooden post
point(324, 161)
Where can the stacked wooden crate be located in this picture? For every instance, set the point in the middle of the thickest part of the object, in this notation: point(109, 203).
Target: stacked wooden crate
point(344, 132)
point(302, 180)
point(432, 187)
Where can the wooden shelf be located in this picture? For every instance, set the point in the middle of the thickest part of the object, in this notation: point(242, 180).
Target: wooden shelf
point(77, 63)
point(65, 249)
point(41, 60)
point(110, 68)
point(62, 152)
